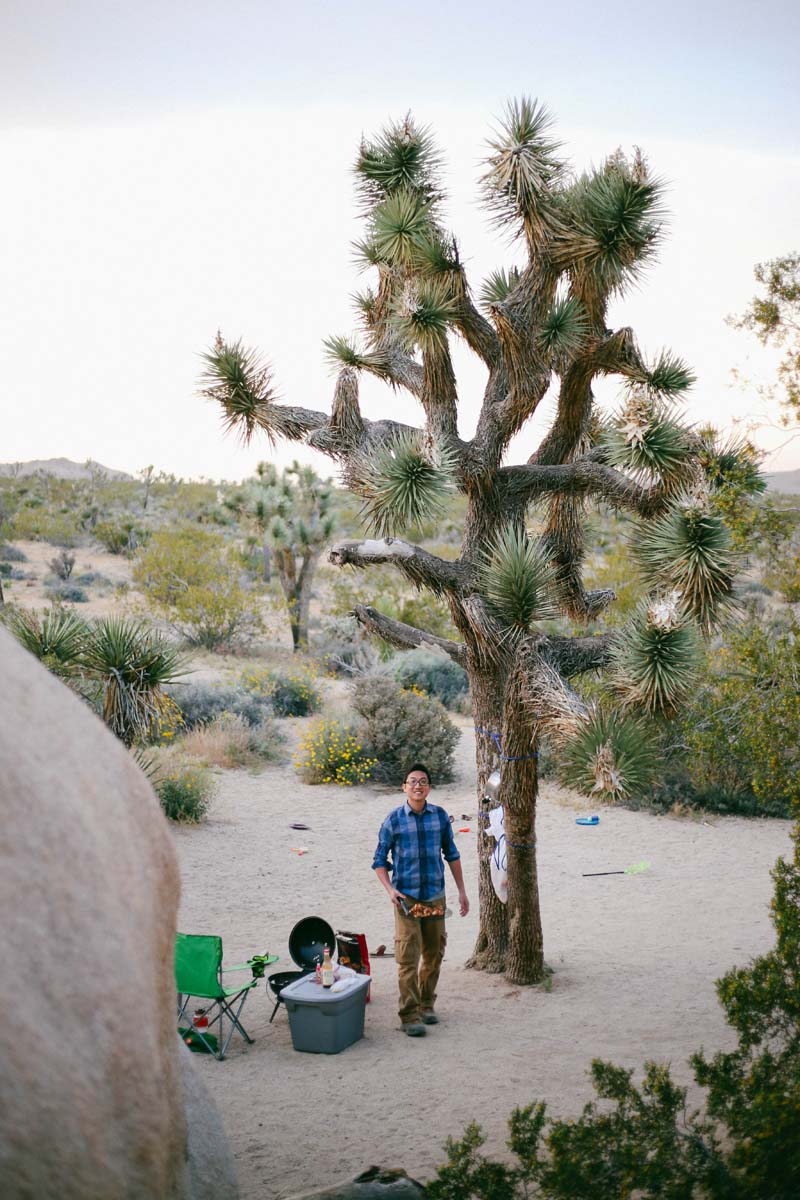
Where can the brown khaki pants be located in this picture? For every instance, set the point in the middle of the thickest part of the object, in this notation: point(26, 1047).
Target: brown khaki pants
point(418, 950)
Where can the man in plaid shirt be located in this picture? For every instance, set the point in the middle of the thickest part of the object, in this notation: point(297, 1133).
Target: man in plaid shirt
point(413, 841)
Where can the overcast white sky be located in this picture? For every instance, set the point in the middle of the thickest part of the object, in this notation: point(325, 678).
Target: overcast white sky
point(177, 167)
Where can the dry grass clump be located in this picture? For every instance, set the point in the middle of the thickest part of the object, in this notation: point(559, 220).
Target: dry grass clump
point(228, 741)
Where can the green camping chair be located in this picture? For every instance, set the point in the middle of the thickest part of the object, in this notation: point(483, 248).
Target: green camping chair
point(198, 973)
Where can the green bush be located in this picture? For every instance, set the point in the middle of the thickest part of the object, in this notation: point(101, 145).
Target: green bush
point(738, 739)
point(184, 790)
point(9, 553)
point(191, 578)
point(403, 725)
point(121, 536)
point(200, 703)
point(44, 525)
point(293, 693)
point(641, 1141)
point(332, 752)
point(435, 674)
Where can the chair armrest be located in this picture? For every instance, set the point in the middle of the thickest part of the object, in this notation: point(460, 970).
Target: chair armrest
point(266, 959)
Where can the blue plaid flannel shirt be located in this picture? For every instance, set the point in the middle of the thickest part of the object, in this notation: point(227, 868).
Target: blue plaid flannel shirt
point(411, 846)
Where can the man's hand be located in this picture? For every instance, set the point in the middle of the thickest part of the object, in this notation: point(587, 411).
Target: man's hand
point(463, 903)
point(395, 896)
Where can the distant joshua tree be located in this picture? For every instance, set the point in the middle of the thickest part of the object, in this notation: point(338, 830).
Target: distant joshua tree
point(581, 241)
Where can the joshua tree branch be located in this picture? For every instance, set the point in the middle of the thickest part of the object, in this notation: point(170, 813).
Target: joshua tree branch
point(573, 655)
point(405, 637)
point(422, 568)
point(477, 332)
point(583, 477)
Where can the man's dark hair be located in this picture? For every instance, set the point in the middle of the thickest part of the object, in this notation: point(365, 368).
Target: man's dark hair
point(417, 767)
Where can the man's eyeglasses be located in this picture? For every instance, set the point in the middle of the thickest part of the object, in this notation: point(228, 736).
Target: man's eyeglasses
point(417, 783)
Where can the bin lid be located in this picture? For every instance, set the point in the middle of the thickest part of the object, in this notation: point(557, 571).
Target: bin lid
point(308, 940)
point(308, 990)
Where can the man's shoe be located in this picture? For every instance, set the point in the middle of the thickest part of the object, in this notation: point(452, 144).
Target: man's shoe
point(429, 1017)
point(414, 1030)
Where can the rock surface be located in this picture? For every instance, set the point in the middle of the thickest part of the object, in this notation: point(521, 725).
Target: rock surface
point(377, 1183)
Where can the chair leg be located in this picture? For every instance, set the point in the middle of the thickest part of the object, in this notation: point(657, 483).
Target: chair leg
point(227, 1010)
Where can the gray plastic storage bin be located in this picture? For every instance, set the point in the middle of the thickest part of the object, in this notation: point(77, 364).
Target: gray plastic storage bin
point(325, 1022)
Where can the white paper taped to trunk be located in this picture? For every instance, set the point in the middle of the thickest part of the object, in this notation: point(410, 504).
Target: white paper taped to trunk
point(499, 864)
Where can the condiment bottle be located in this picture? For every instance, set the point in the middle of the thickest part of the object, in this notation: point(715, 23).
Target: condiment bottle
point(327, 969)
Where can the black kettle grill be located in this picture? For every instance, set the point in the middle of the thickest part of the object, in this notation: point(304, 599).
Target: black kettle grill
point(307, 943)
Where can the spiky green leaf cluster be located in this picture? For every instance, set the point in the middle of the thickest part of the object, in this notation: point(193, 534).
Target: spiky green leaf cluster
point(401, 484)
point(56, 637)
point(241, 383)
point(668, 377)
point(498, 286)
point(617, 222)
point(518, 579)
point(524, 170)
point(565, 328)
point(343, 352)
point(731, 463)
point(688, 549)
point(655, 658)
point(610, 755)
point(423, 319)
point(401, 227)
point(134, 665)
point(403, 156)
point(660, 447)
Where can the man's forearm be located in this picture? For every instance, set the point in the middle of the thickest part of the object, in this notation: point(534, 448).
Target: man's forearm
point(383, 876)
point(458, 874)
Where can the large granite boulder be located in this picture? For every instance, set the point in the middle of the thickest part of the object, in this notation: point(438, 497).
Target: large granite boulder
point(93, 1090)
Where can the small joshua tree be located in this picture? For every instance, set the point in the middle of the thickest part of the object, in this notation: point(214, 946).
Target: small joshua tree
point(581, 241)
point(293, 513)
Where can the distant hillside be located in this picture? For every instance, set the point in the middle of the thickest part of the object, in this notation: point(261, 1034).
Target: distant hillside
point(787, 482)
point(62, 468)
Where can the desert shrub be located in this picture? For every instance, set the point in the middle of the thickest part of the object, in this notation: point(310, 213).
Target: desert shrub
point(185, 790)
point(642, 1141)
point(229, 741)
point(344, 648)
point(5, 570)
point(92, 579)
point(738, 737)
point(435, 674)
point(62, 564)
point(191, 578)
point(66, 592)
point(785, 575)
point(200, 703)
point(292, 693)
point(400, 725)
point(332, 752)
point(41, 524)
point(121, 536)
point(9, 553)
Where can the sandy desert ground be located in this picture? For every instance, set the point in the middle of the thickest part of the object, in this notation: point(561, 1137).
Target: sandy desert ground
point(634, 958)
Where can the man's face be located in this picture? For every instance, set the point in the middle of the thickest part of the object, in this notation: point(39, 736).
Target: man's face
point(416, 788)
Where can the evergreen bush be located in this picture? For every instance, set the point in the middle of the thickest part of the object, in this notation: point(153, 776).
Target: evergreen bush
point(66, 592)
point(435, 674)
point(293, 693)
point(184, 790)
point(401, 725)
point(201, 702)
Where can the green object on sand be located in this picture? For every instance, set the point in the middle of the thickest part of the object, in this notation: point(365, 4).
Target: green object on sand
point(196, 1043)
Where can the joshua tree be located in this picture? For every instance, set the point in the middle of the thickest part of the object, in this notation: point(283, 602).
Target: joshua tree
point(292, 511)
point(581, 241)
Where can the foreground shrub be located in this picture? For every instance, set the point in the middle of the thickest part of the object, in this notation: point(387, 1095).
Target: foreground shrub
point(191, 578)
point(435, 674)
point(641, 1141)
point(9, 553)
point(185, 790)
point(55, 636)
point(229, 741)
point(401, 725)
point(200, 703)
point(293, 693)
point(333, 753)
